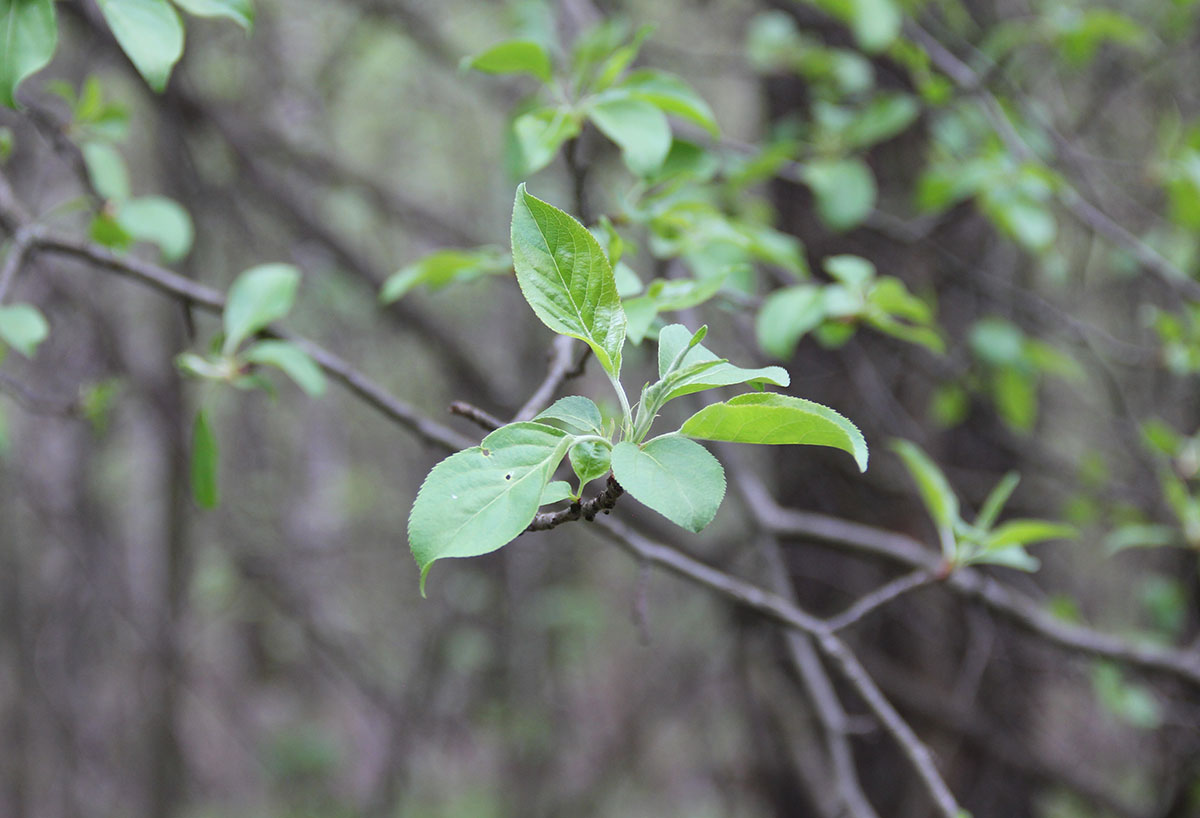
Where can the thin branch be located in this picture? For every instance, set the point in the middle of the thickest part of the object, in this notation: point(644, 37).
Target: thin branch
point(562, 366)
point(881, 596)
point(969, 80)
point(13, 261)
point(199, 295)
point(776, 608)
point(602, 503)
point(484, 420)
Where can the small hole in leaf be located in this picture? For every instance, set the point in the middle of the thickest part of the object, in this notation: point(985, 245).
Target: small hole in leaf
point(485, 452)
point(508, 476)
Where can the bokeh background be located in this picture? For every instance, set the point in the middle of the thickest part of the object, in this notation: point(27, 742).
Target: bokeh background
point(273, 657)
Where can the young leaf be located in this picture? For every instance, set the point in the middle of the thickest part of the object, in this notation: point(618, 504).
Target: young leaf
point(442, 267)
point(259, 296)
point(590, 459)
point(240, 11)
point(513, 57)
point(149, 32)
point(539, 134)
point(638, 127)
point(844, 190)
point(673, 338)
point(677, 478)
point(555, 491)
point(204, 463)
point(671, 95)
point(939, 498)
point(160, 220)
point(786, 316)
point(28, 37)
point(566, 278)
point(766, 417)
point(294, 362)
point(106, 170)
point(23, 328)
point(580, 414)
point(479, 499)
point(989, 512)
point(1027, 532)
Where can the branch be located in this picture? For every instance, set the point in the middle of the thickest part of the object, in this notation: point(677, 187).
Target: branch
point(776, 608)
point(562, 367)
point(601, 503)
point(970, 583)
point(190, 292)
point(881, 596)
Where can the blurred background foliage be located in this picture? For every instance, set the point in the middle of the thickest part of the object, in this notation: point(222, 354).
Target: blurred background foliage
point(971, 224)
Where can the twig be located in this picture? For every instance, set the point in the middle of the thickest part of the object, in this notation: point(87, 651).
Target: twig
point(969, 80)
point(480, 418)
point(13, 261)
point(33, 402)
point(193, 293)
point(562, 364)
point(776, 608)
point(586, 510)
point(881, 596)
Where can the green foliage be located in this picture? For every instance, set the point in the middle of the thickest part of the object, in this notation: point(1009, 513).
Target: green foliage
point(258, 296)
point(513, 57)
point(479, 499)
point(443, 267)
point(159, 220)
point(204, 463)
point(292, 360)
point(984, 541)
point(23, 328)
point(239, 11)
point(150, 33)
point(566, 278)
point(27, 42)
point(674, 476)
point(769, 418)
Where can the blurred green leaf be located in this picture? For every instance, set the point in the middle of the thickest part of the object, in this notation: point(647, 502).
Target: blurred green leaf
point(671, 95)
point(786, 316)
point(292, 360)
point(513, 57)
point(204, 463)
point(159, 220)
point(638, 127)
point(106, 169)
point(27, 42)
point(257, 297)
point(844, 190)
point(23, 328)
point(940, 500)
point(443, 267)
point(149, 32)
point(239, 11)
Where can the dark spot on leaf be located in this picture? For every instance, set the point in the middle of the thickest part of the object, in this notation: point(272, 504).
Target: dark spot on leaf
point(485, 452)
point(508, 476)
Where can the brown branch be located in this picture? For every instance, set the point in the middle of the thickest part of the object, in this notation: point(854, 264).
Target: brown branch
point(779, 610)
point(480, 418)
point(881, 596)
point(562, 366)
point(602, 503)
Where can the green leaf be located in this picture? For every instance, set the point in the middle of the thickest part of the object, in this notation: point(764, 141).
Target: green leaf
point(294, 362)
point(259, 296)
point(786, 316)
point(989, 512)
point(675, 337)
point(513, 57)
point(939, 499)
point(240, 11)
point(882, 118)
point(640, 313)
point(578, 413)
point(478, 500)
point(638, 127)
point(106, 170)
point(159, 220)
point(539, 134)
point(27, 42)
point(149, 32)
point(844, 190)
point(671, 95)
point(876, 23)
point(770, 418)
point(204, 463)
point(1026, 532)
point(555, 491)
point(677, 478)
point(444, 266)
point(590, 459)
point(23, 328)
point(566, 278)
